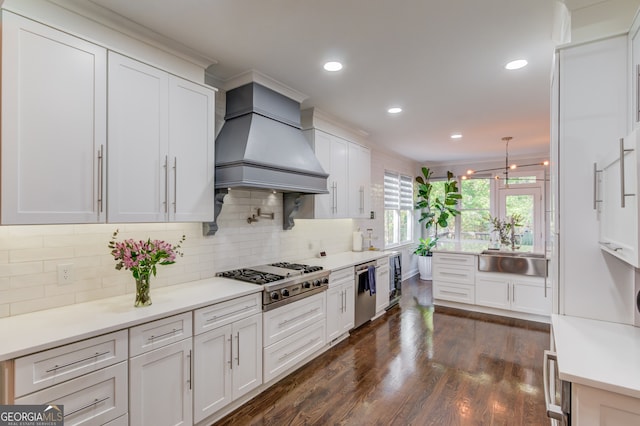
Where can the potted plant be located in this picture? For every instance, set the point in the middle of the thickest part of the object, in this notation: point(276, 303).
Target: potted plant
point(435, 212)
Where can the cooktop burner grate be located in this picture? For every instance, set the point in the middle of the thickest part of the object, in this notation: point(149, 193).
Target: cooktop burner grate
point(297, 266)
point(251, 276)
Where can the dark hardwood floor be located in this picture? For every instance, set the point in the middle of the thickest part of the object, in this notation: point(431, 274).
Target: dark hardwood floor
point(415, 366)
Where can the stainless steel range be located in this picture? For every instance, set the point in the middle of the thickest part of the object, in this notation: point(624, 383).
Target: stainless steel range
point(282, 282)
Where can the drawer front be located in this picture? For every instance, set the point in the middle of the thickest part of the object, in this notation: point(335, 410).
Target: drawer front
point(47, 368)
point(285, 354)
point(93, 399)
point(454, 292)
point(454, 259)
point(120, 421)
point(341, 274)
point(156, 334)
point(283, 322)
point(455, 273)
point(382, 262)
point(224, 313)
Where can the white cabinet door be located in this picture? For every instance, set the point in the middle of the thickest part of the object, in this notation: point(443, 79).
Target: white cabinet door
point(191, 151)
point(339, 178)
point(212, 365)
point(160, 386)
point(138, 166)
point(335, 310)
point(634, 35)
point(53, 125)
point(324, 204)
point(493, 291)
point(528, 294)
point(592, 117)
point(359, 178)
point(349, 313)
point(247, 355)
point(382, 288)
point(596, 407)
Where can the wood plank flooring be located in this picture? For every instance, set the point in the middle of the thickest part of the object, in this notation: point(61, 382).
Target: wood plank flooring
point(415, 366)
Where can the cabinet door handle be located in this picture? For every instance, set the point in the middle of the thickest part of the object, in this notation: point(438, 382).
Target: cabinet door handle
point(166, 184)
point(190, 369)
point(100, 176)
point(623, 193)
point(362, 199)
point(638, 92)
point(231, 352)
point(238, 347)
point(595, 186)
point(175, 185)
point(508, 293)
point(335, 196)
point(553, 411)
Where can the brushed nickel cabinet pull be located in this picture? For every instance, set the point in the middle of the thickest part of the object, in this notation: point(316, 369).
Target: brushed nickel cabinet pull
point(238, 347)
point(231, 352)
point(623, 192)
point(58, 367)
point(152, 338)
point(190, 370)
point(100, 176)
point(89, 405)
point(596, 200)
point(175, 185)
point(166, 184)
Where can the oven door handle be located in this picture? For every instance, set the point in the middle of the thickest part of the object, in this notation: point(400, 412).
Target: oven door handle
point(554, 411)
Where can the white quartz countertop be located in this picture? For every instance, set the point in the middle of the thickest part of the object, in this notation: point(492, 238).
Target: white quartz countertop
point(28, 333)
point(24, 334)
point(345, 259)
point(599, 354)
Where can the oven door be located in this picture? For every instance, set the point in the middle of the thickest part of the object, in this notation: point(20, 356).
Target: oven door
point(557, 392)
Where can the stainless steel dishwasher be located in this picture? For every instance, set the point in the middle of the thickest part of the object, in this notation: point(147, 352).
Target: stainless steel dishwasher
point(365, 301)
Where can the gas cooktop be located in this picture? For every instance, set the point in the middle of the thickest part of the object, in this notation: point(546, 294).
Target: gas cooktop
point(251, 276)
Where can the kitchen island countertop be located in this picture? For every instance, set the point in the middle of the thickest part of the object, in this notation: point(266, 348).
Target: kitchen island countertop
point(599, 354)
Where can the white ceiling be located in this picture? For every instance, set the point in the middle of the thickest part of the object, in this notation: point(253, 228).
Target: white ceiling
point(442, 61)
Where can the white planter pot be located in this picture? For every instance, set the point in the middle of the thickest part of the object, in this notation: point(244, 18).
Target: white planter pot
point(424, 267)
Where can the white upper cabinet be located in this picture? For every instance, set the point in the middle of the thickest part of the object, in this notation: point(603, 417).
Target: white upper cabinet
point(634, 60)
point(161, 158)
point(53, 125)
point(359, 178)
point(349, 168)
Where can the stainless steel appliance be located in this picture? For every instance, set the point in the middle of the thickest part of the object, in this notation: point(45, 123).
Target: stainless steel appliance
point(557, 392)
point(395, 280)
point(365, 307)
point(282, 282)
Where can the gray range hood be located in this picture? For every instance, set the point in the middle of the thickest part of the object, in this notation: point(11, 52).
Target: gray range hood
point(261, 146)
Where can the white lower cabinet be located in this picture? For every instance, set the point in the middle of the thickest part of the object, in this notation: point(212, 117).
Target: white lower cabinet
point(595, 407)
point(227, 364)
point(382, 284)
point(454, 277)
point(513, 292)
point(92, 399)
point(292, 333)
point(340, 303)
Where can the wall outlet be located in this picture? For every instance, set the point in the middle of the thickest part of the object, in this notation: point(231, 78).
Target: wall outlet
point(65, 273)
point(372, 215)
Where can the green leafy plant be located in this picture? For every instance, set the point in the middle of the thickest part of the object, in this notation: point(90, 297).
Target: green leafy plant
point(425, 246)
point(436, 212)
point(506, 227)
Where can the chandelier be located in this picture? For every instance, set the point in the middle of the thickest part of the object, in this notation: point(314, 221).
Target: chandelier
point(507, 166)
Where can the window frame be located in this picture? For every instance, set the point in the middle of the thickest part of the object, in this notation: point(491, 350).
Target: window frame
point(401, 201)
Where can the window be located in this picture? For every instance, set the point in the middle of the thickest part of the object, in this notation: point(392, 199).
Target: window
point(475, 208)
point(398, 209)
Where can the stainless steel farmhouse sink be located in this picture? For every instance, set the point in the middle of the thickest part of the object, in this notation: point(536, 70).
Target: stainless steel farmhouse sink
point(532, 264)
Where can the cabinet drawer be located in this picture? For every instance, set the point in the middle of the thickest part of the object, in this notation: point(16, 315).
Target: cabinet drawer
point(454, 259)
point(283, 322)
point(285, 354)
point(341, 274)
point(157, 334)
point(459, 274)
point(47, 368)
point(454, 292)
point(224, 313)
point(94, 398)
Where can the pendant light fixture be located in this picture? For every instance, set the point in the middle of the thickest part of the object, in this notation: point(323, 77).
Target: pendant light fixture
point(507, 166)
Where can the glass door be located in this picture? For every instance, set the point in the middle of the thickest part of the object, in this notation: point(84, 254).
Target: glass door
point(527, 203)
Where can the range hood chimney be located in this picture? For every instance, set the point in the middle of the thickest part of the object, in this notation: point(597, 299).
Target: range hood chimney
point(261, 146)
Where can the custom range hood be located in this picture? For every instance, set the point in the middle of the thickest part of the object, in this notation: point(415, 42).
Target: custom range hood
point(261, 146)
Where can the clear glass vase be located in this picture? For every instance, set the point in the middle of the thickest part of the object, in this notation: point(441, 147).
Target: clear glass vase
point(143, 292)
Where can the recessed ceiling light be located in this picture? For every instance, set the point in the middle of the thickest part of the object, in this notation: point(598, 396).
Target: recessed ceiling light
point(333, 66)
point(517, 64)
point(394, 110)
point(456, 135)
